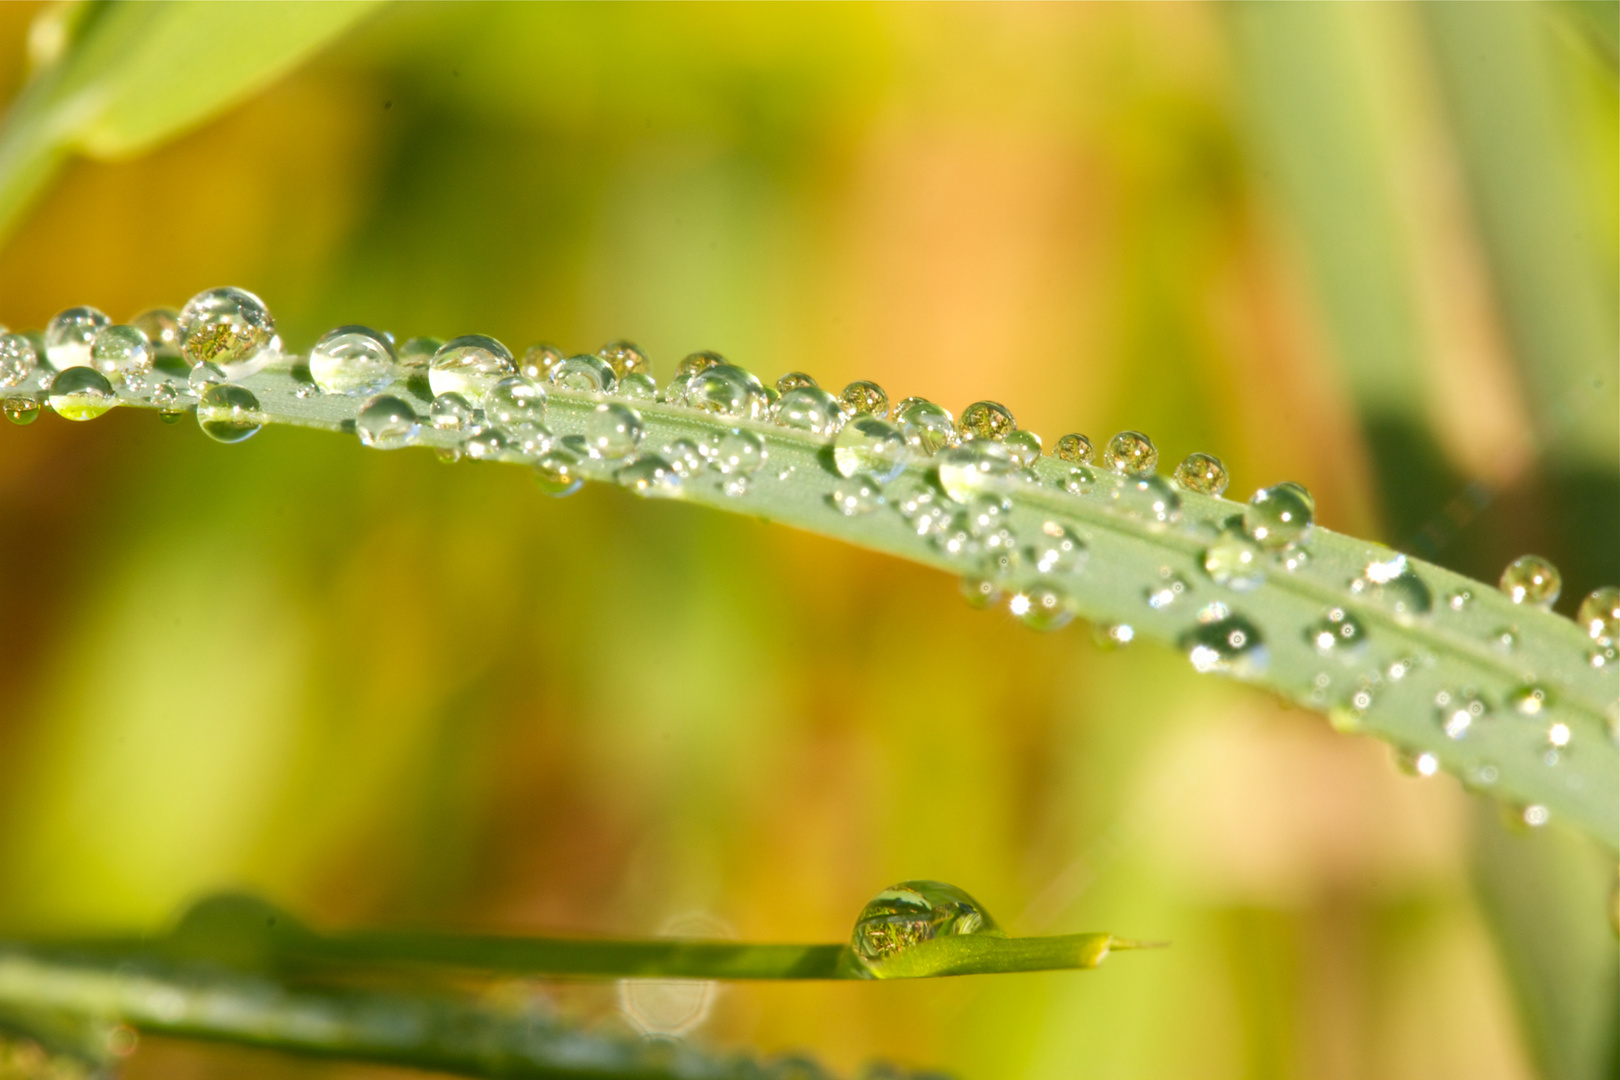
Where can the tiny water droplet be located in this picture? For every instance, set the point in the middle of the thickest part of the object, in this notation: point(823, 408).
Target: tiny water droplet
point(1223, 642)
point(1278, 516)
point(1233, 561)
point(699, 362)
point(1394, 585)
point(450, 412)
point(81, 393)
point(613, 431)
point(1529, 699)
point(1171, 588)
point(1599, 615)
point(1114, 635)
point(650, 476)
point(386, 423)
point(1504, 639)
point(1460, 600)
point(515, 401)
point(228, 327)
point(416, 355)
point(974, 468)
point(1131, 453)
point(69, 334)
point(469, 365)
point(794, 380)
point(1075, 448)
point(625, 359)
point(1457, 711)
point(1058, 550)
point(161, 326)
point(557, 473)
point(867, 444)
point(121, 353)
point(1532, 580)
point(863, 398)
point(857, 495)
point(727, 390)
point(228, 413)
point(353, 360)
point(912, 912)
point(1042, 607)
point(1417, 764)
point(1202, 473)
point(1338, 633)
point(980, 592)
point(167, 400)
point(20, 409)
point(17, 360)
point(739, 453)
point(932, 426)
point(986, 420)
point(205, 375)
point(1536, 815)
point(1149, 497)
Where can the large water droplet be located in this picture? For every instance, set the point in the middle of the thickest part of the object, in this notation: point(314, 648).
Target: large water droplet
point(698, 362)
point(1338, 633)
point(728, 391)
point(870, 445)
point(974, 468)
point(912, 912)
point(1457, 711)
point(161, 325)
point(514, 402)
point(121, 353)
point(637, 386)
point(81, 393)
point(228, 327)
point(808, 408)
point(228, 413)
point(557, 473)
point(17, 360)
point(856, 495)
point(739, 453)
point(794, 380)
point(1599, 615)
point(931, 426)
point(1131, 453)
point(1074, 448)
point(353, 360)
point(863, 398)
point(987, 420)
point(386, 423)
point(1233, 561)
point(451, 412)
point(1148, 497)
point(613, 431)
point(469, 365)
point(1278, 516)
point(625, 359)
point(1202, 473)
point(1042, 607)
point(1057, 550)
point(1532, 580)
point(69, 334)
point(1393, 584)
point(650, 476)
point(20, 409)
point(1024, 446)
point(1223, 642)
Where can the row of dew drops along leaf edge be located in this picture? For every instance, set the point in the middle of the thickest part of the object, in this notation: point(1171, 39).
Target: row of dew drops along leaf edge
point(487, 404)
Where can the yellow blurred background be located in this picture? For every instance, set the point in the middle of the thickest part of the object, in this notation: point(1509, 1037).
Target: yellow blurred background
point(383, 691)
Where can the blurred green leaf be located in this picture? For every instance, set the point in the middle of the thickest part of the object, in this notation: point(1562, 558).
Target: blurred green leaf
point(131, 74)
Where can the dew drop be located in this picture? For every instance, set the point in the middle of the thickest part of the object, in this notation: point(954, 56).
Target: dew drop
point(1529, 699)
point(1504, 639)
point(986, 420)
point(727, 390)
point(1278, 516)
point(416, 355)
point(1233, 561)
point(1394, 585)
point(932, 426)
point(227, 327)
point(868, 444)
point(1058, 550)
point(980, 592)
point(515, 401)
point(1131, 453)
point(856, 495)
point(161, 326)
point(121, 353)
point(1171, 588)
point(1074, 448)
point(386, 423)
point(1532, 580)
point(69, 334)
point(1202, 473)
point(228, 413)
point(1457, 711)
point(1460, 600)
point(1599, 613)
point(353, 360)
point(864, 398)
point(1223, 642)
point(625, 359)
point(538, 361)
point(808, 408)
point(684, 457)
point(486, 442)
point(167, 400)
point(637, 386)
point(613, 431)
point(1042, 608)
point(1338, 633)
point(1558, 735)
point(650, 476)
point(699, 362)
point(976, 467)
point(912, 912)
point(739, 453)
point(18, 360)
point(557, 473)
point(450, 412)
point(20, 409)
point(1024, 446)
point(1535, 815)
point(469, 365)
point(81, 393)
point(1412, 763)
point(1149, 497)
point(1114, 635)
point(794, 380)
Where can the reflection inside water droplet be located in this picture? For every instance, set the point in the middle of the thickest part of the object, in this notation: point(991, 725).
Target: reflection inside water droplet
point(912, 912)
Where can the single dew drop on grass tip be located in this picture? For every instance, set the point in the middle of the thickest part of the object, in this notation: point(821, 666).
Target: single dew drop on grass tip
point(1532, 580)
point(228, 413)
point(353, 360)
point(913, 912)
point(1202, 473)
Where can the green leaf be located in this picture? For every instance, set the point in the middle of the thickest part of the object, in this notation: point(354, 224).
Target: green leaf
point(134, 73)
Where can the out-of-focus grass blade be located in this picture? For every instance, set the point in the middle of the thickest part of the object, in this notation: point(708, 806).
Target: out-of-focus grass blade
point(132, 73)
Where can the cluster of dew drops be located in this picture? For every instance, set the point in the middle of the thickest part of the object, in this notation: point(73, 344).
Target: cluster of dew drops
point(489, 404)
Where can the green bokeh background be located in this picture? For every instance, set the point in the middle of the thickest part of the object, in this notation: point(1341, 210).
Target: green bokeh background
point(1371, 248)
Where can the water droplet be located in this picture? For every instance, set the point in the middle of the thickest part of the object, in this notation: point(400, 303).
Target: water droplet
point(699, 362)
point(794, 380)
point(1504, 639)
point(857, 495)
point(870, 445)
point(229, 413)
point(1457, 711)
point(1234, 562)
point(515, 401)
point(650, 476)
point(1394, 585)
point(727, 390)
point(17, 359)
point(808, 408)
point(386, 423)
point(121, 353)
point(863, 398)
point(974, 468)
point(1338, 633)
point(205, 375)
point(161, 326)
point(613, 431)
point(1172, 587)
point(1529, 699)
point(557, 473)
point(68, 336)
point(684, 457)
point(353, 360)
point(167, 401)
point(1417, 764)
point(1150, 497)
point(1601, 657)
point(986, 420)
point(486, 443)
point(416, 355)
point(637, 386)
point(1041, 607)
point(20, 409)
point(1024, 446)
point(1075, 448)
point(1131, 453)
point(1114, 635)
point(227, 327)
point(1223, 642)
point(980, 592)
point(469, 365)
point(81, 393)
point(739, 453)
point(1536, 815)
point(1460, 600)
point(1558, 735)
point(912, 912)
point(625, 359)
point(1278, 516)
point(932, 426)
point(1532, 580)
point(1599, 614)
point(1058, 550)
point(450, 412)
point(1202, 473)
